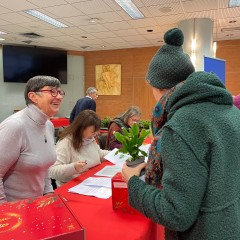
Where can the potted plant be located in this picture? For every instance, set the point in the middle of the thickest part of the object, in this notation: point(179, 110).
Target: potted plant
point(131, 141)
point(145, 124)
point(105, 122)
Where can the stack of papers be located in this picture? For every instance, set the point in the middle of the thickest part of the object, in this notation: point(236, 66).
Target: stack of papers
point(98, 187)
point(109, 171)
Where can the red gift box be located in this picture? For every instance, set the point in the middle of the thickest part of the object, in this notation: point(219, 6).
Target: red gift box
point(120, 195)
point(45, 217)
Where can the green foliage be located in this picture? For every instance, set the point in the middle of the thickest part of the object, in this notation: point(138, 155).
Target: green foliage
point(131, 140)
point(105, 122)
point(146, 124)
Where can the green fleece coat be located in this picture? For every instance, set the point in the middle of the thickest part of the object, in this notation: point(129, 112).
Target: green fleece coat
point(200, 148)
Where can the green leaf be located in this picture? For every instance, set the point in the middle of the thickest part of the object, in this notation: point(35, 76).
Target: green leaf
point(131, 139)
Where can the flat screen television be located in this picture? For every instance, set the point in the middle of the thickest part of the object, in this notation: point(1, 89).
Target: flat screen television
point(21, 63)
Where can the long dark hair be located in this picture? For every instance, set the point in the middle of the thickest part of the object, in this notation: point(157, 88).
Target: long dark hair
point(83, 120)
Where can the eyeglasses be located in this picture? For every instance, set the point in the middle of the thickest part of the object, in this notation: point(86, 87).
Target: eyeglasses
point(54, 92)
point(135, 120)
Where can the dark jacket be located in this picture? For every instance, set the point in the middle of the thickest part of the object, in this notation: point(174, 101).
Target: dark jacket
point(82, 104)
point(115, 125)
point(200, 195)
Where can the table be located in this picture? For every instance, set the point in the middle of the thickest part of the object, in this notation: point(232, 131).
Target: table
point(99, 219)
point(60, 122)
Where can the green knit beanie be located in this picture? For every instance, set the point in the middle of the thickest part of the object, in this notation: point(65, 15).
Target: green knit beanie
point(170, 65)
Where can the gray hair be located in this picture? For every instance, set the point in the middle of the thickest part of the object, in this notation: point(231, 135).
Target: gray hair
point(37, 83)
point(132, 111)
point(91, 90)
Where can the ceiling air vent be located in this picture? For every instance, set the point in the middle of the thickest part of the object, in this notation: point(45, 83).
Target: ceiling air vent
point(27, 41)
point(31, 35)
point(230, 29)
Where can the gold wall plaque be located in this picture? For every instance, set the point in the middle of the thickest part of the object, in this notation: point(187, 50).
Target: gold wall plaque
point(108, 79)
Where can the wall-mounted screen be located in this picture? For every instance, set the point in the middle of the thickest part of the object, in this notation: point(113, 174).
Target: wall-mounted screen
point(216, 66)
point(21, 63)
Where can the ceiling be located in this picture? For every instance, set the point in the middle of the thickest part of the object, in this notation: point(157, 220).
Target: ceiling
point(114, 29)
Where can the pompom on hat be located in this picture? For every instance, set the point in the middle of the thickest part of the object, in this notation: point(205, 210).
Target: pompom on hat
point(170, 65)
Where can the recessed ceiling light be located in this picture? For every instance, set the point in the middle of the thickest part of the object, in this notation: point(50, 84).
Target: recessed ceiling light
point(93, 20)
point(103, 46)
point(130, 8)
point(230, 29)
point(45, 18)
point(149, 30)
point(2, 33)
point(2, 39)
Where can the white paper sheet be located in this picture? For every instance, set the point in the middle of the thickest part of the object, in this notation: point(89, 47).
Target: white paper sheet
point(109, 171)
point(145, 147)
point(99, 192)
point(97, 182)
point(119, 158)
point(94, 186)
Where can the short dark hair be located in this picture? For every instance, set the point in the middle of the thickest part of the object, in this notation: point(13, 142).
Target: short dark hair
point(38, 82)
point(84, 119)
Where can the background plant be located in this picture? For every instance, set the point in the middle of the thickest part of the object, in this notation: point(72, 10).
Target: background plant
point(146, 124)
point(105, 122)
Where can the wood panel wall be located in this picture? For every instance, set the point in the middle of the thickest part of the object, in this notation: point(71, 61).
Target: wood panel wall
point(230, 51)
point(134, 63)
point(134, 91)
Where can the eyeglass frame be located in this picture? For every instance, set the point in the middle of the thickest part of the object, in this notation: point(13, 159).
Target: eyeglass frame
point(54, 92)
point(135, 121)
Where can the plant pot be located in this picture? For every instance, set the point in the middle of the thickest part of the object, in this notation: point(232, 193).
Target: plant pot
point(104, 128)
point(136, 162)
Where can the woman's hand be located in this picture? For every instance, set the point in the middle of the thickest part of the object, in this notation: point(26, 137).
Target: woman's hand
point(128, 172)
point(79, 165)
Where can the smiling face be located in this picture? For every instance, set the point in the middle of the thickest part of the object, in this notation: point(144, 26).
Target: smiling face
point(46, 102)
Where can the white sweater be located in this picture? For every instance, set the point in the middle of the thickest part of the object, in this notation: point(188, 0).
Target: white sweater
point(63, 170)
point(25, 156)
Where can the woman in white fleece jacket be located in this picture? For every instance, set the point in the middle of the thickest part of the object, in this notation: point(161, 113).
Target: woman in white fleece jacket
point(77, 150)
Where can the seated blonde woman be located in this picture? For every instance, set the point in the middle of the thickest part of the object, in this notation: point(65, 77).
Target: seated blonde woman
point(77, 150)
point(124, 120)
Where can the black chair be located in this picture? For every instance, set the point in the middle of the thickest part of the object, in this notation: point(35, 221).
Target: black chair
point(102, 140)
point(54, 185)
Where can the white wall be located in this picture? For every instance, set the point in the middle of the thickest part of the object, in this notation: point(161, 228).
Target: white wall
point(12, 94)
point(75, 87)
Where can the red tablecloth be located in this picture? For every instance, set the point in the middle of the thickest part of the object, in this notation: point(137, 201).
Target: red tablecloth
point(101, 221)
point(60, 122)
